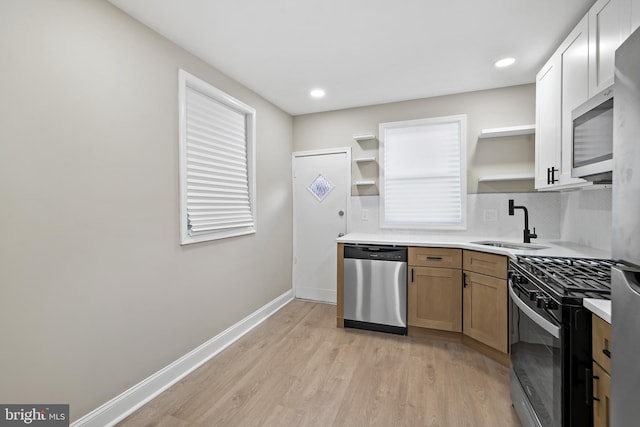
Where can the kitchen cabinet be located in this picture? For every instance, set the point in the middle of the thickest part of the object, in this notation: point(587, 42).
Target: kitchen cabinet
point(561, 85)
point(574, 62)
point(434, 298)
point(601, 345)
point(609, 26)
point(548, 123)
point(582, 66)
point(340, 287)
point(485, 263)
point(435, 257)
point(485, 301)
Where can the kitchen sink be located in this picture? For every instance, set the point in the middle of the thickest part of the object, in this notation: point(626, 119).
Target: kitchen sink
point(510, 245)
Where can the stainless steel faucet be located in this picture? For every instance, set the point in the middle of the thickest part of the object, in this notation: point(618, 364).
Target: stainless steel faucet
point(526, 233)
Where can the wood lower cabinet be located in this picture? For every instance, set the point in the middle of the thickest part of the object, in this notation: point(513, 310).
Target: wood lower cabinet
point(485, 300)
point(601, 397)
point(485, 310)
point(435, 298)
point(601, 346)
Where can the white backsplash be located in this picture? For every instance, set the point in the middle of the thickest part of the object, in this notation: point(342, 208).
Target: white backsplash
point(487, 215)
point(582, 217)
point(585, 218)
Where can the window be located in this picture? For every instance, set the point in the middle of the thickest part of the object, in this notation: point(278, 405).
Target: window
point(217, 163)
point(423, 177)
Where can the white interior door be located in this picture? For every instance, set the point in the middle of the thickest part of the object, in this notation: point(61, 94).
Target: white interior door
point(321, 182)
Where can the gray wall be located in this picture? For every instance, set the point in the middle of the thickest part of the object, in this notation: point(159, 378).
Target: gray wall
point(511, 106)
point(97, 293)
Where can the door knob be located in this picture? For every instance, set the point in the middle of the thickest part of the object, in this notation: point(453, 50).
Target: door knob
point(340, 213)
point(340, 234)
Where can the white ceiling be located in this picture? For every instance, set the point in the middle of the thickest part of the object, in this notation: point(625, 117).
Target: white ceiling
point(363, 52)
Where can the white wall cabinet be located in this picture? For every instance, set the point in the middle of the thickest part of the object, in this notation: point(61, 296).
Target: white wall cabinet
point(609, 26)
point(582, 66)
point(548, 117)
point(574, 54)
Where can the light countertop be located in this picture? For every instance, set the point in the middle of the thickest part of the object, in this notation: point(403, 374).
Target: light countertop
point(601, 307)
point(553, 247)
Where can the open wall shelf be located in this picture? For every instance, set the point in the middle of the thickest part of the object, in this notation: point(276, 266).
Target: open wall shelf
point(506, 177)
point(364, 137)
point(507, 131)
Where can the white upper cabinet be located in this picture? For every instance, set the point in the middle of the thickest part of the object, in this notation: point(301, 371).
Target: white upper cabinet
point(581, 67)
point(574, 54)
point(548, 97)
point(609, 26)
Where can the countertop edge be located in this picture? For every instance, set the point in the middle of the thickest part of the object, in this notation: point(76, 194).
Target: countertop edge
point(599, 307)
point(553, 248)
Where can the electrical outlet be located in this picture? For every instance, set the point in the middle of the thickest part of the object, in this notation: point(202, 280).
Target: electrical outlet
point(490, 215)
point(365, 214)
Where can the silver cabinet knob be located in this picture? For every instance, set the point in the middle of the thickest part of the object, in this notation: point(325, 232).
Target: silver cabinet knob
point(340, 213)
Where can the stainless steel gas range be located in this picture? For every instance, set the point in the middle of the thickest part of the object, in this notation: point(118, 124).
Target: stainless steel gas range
point(550, 335)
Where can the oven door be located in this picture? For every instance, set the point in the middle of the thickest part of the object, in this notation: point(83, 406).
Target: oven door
point(536, 383)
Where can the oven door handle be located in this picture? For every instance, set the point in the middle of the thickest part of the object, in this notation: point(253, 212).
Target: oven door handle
point(539, 320)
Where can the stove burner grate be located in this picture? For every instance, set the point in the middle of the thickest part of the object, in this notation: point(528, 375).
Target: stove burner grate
point(572, 274)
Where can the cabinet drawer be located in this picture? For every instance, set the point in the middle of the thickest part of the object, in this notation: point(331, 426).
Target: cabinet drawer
point(601, 342)
point(484, 263)
point(602, 397)
point(435, 257)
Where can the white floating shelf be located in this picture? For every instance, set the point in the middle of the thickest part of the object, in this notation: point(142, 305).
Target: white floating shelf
point(368, 182)
point(365, 159)
point(507, 131)
point(507, 177)
point(364, 136)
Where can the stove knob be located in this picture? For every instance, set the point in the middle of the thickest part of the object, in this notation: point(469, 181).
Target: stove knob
point(541, 301)
point(518, 279)
point(551, 304)
point(533, 295)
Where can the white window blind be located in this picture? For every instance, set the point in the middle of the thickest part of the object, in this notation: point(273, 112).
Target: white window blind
point(423, 173)
point(217, 167)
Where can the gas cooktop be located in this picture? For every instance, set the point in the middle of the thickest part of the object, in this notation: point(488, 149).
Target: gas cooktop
point(572, 278)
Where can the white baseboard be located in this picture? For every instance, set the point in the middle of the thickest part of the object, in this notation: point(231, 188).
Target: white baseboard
point(128, 402)
point(315, 294)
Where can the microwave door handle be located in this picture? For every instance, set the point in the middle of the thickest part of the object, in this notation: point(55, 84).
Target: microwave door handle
point(539, 320)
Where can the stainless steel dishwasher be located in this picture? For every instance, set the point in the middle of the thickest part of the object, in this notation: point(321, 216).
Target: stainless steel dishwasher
point(375, 288)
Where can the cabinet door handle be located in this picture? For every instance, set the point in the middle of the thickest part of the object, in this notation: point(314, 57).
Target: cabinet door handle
point(548, 176)
point(606, 353)
point(588, 379)
point(464, 280)
point(596, 399)
point(553, 175)
point(412, 275)
point(434, 258)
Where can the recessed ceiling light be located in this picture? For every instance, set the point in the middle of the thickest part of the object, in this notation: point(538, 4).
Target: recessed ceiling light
point(505, 62)
point(317, 93)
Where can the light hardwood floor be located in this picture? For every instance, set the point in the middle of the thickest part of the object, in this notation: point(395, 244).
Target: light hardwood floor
point(298, 369)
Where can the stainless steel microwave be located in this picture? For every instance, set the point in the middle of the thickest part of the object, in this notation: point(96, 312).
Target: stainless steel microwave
point(592, 143)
